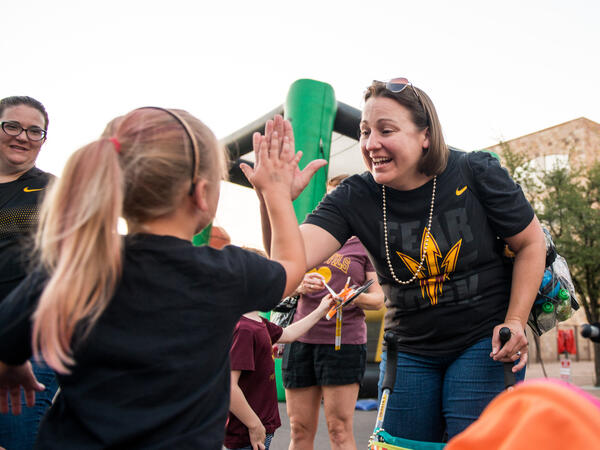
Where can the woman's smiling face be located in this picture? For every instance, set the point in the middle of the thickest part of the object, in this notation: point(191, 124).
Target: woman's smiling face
point(18, 153)
point(391, 144)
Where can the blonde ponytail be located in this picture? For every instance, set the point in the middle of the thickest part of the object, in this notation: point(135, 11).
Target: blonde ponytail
point(80, 248)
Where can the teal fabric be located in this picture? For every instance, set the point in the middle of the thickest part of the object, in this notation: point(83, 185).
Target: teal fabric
point(409, 444)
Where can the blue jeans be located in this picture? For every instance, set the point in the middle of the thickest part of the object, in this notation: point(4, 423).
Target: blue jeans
point(443, 394)
point(19, 432)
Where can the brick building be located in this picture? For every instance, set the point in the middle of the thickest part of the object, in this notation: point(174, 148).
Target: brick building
point(580, 137)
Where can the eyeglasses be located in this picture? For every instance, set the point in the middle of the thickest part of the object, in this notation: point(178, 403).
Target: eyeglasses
point(15, 129)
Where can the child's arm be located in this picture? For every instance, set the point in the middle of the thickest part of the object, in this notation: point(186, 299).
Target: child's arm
point(241, 409)
point(295, 330)
point(300, 181)
point(272, 177)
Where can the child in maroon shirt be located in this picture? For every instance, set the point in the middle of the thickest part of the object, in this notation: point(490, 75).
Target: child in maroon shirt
point(253, 412)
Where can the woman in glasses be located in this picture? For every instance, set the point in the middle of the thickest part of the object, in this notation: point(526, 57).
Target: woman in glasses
point(433, 246)
point(24, 122)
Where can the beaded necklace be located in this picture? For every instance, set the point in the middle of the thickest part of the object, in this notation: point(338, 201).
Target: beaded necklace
point(385, 236)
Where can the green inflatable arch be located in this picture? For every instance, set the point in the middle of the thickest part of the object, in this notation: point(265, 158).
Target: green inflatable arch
point(310, 107)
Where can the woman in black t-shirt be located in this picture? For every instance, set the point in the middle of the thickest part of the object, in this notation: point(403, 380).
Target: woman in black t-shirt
point(24, 126)
point(139, 329)
point(432, 243)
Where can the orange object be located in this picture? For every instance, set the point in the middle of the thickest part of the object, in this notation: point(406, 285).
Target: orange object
point(219, 238)
point(346, 292)
point(333, 310)
point(538, 414)
point(343, 295)
point(340, 297)
point(346, 296)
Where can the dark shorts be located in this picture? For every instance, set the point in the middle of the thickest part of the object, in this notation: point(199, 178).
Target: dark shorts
point(268, 440)
point(306, 365)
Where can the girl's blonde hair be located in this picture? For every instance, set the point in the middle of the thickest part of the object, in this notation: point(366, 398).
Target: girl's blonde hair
point(141, 169)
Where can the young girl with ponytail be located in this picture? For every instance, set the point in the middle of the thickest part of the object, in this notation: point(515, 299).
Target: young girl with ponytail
point(138, 328)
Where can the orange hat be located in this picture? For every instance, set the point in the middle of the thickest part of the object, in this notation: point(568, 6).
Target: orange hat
point(537, 414)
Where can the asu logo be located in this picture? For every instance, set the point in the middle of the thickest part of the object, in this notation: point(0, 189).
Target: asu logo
point(432, 282)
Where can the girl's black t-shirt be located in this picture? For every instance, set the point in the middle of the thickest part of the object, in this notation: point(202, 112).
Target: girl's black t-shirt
point(465, 287)
point(154, 371)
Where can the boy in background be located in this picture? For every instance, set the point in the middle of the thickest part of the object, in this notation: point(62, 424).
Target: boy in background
point(253, 412)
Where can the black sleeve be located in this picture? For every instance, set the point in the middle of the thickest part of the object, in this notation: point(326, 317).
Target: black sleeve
point(16, 311)
point(507, 209)
point(264, 279)
point(330, 213)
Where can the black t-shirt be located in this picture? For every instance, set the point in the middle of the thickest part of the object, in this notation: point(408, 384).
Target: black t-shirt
point(154, 371)
point(19, 201)
point(466, 286)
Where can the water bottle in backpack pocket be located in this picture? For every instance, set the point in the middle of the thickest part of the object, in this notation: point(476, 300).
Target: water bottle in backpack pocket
point(556, 298)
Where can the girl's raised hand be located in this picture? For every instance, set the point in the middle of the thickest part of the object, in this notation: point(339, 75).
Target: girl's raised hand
point(276, 163)
point(282, 131)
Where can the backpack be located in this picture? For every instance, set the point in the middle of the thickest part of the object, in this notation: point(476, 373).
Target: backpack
point(556, 299)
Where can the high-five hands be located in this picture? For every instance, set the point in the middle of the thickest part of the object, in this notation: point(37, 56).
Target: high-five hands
point(279, 140)
point(276, 163)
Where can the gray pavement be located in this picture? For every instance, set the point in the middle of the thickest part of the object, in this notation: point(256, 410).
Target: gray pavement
point(582, 375)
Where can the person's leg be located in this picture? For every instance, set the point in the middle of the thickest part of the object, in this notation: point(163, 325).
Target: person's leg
point(471, 382)
point(414, 409)
point(302, 395)
point(303, 410)
point(339, 403)
point(339, 372)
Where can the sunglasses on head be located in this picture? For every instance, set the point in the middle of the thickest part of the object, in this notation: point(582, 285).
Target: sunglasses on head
point(397, 85)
